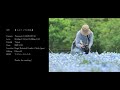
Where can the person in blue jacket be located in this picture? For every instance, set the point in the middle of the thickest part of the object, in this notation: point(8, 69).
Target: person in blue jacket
point(83, 41)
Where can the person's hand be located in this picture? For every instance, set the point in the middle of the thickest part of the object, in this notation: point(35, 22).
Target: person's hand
point(82, 46)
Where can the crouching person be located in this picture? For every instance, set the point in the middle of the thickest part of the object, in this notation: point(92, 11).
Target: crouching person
point(83, 41)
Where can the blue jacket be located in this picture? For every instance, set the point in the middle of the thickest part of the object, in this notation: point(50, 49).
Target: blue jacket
point(84, 39)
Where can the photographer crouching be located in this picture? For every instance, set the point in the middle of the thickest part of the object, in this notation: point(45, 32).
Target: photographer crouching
point(83, 41)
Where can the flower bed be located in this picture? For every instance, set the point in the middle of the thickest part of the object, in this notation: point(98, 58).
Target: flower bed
point(93, 62)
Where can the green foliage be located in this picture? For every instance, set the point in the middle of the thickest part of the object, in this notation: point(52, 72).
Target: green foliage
point(62, 32)
point(85, 62)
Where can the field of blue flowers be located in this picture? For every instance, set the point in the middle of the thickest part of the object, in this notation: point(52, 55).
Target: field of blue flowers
point(92, 62)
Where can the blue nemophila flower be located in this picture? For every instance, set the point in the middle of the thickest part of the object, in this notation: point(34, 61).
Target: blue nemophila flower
point(93, 62)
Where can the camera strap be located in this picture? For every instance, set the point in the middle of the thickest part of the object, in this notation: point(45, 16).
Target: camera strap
point(88, 39)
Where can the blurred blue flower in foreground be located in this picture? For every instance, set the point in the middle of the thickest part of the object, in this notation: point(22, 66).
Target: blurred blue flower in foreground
point(93, 62)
